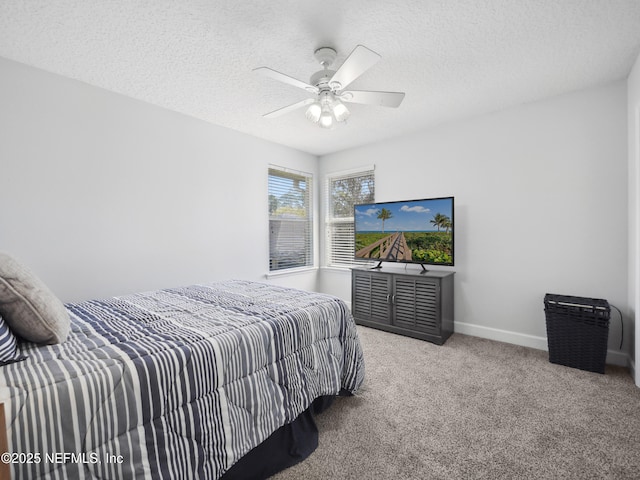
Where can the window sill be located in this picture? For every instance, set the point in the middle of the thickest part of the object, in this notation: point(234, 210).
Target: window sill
point(347, 268)
point(331, 268)
point(290, 271)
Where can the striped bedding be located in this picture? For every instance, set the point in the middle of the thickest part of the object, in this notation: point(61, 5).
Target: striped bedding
point(176, 383)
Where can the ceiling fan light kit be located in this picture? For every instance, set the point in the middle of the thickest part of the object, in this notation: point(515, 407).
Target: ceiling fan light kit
point(340, 111)
point(313, 112)
point(328, 87)
point(327, 110)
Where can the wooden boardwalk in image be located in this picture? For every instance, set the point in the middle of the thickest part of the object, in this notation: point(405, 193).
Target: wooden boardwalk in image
point(393, 247)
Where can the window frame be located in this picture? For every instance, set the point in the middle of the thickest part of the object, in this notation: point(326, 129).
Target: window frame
point(280, 244)
point(336, 256)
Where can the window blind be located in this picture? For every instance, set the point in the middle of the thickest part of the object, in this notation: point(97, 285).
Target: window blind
point(342, 192)
point(290, 219)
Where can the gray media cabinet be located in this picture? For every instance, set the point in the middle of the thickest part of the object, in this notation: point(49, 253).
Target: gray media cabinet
point(406, 302)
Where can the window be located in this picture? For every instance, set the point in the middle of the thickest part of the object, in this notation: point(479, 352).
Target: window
point(343, 191)
point(290, 219)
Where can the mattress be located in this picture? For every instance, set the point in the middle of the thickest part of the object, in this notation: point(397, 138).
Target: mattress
point(175, 383)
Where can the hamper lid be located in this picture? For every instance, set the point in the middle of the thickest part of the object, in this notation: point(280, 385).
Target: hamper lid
point(573, 301)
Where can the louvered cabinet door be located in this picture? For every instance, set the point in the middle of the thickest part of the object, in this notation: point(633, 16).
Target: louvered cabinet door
point(371, 298)
point(416, 304)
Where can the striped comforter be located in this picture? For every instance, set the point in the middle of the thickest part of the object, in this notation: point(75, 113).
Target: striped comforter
point(175, 383)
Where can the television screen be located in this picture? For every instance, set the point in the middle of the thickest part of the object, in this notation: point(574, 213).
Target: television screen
point(413, 231)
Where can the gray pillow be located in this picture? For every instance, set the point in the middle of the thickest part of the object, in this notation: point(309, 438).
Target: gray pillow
point(30, 309)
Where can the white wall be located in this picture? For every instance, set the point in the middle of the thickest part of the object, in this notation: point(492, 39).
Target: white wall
point(541, 206)
point(101, 194)
point(633, 94)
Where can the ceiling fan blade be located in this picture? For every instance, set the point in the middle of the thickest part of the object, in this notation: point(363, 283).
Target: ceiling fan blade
point(359, 61)
point(268, 72)
point(383, 99)
point(290, 108)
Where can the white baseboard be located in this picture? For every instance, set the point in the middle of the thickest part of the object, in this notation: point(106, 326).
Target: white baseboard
point(614, 357)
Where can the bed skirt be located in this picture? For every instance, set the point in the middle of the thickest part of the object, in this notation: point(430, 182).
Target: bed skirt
point(287, 446)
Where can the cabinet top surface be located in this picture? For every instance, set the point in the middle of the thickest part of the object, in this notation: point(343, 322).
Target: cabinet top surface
point(405, 271)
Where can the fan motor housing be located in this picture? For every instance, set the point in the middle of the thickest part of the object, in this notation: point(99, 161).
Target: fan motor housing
point(321, 79)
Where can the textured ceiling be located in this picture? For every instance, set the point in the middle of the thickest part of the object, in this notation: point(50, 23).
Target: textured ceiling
point(453, 58)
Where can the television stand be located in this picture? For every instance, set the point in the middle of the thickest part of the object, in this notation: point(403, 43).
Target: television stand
point(404, 302)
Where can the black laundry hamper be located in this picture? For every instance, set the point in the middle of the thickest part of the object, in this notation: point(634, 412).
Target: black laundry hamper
point(577, 331)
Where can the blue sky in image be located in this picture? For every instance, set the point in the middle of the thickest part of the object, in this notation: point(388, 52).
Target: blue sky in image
point(407, 216)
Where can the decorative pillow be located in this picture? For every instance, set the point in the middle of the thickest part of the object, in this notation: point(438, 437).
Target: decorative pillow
point(8, 344)
point(30, 309)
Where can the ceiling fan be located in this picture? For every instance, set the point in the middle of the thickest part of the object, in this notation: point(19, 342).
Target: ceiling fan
point(330, 87)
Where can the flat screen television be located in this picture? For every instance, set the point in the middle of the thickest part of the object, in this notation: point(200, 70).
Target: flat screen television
point(411, 231)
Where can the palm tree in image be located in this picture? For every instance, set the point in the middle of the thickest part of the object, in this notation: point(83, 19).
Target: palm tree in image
point(447, 224)
point(384, 215)
point(439, 220)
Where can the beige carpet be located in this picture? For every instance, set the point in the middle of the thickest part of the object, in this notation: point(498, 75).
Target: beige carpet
point(476, 409)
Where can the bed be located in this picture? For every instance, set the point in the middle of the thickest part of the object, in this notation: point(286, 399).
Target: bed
point(175, 383)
